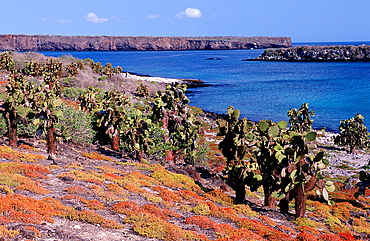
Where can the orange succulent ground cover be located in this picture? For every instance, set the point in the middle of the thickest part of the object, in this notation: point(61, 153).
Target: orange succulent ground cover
point(105, 198)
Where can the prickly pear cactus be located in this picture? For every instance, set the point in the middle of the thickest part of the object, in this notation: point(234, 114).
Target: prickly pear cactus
point(363, 184)
point(7, 63)
point(353, 133)
point(236, 145)
point(181, 131)
point(109, 115)
point(135, 133)
point(19, 99)
point(33, 68)
point(300, 120)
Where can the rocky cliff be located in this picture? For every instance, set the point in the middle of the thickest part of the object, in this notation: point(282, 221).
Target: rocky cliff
point(317, 53)
point(119, 43)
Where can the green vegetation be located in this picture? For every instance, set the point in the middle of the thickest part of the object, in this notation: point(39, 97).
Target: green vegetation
point(277, 158)
point(353, 133)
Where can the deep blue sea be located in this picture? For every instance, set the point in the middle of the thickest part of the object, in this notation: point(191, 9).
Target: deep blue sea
point(261, 90)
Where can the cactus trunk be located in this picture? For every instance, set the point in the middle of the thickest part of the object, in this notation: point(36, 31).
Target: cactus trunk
point(300, 201)
point(115, 141)
point(169, 154)
point(239, 192)
point(269, 200)
point(170, 157)
point(51, 142)
point(11, 118)
point(284, 204)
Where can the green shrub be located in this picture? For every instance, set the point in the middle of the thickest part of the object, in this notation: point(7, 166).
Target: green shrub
point(73, 93)
point(353, 133)
point(75, 126)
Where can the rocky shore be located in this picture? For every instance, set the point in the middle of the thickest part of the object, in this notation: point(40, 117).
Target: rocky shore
point(123, 43)
point(317, 53)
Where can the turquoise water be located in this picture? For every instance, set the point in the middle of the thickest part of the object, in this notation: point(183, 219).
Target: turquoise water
point(261, 90)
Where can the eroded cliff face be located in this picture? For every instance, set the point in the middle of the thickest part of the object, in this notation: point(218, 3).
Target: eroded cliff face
point(119, 43)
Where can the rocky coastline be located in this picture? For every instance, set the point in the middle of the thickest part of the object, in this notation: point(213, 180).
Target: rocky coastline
point(123, 43)
point(316, 53)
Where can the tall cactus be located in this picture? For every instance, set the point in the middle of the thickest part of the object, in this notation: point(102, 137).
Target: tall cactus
point(7, 62)
point(47, 114)
point(353, 133)
point(72, 69)
point(110, 115)
point(33, 68)
point(51, 72)
point(170, 109)
point(363, 184)
point(267, 154)
point(300, 120)
point(235, 146)
point(19, 98)
point(135, 131)
point(302, 172)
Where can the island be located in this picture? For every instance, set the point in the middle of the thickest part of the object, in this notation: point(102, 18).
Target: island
point(316, 53)
point(141, 43)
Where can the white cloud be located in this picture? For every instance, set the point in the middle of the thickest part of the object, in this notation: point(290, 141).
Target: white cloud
point(64, 21)
point(117, 20)
point(151, 16)
point(190, 13)
point(92, 17)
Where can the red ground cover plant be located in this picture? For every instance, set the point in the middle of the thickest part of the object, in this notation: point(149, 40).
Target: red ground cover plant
point(95, 205)
point(219, 196)
point(127, 208)
point(154, 227)
point(8, 233)
point(27, 147)
point(257, 227)
point(96, 156)
point(33, 229)
point(226, 232)
point(150, 220)
point(222, 212)
point(88, 176)
point(33, 187)
point(266, 220)
point(309, 229)
point(329, 237)
point(190, 196)
point(168, 195)
point(305, 236)
point(9, 153)
point(161, 213)
point(76, 198)
point(116, 189)
point(91, 217)
point(23, 168)
point(75, 190)
point(18, 208)
point(201, 221)
point(347, 236)
point(174, 180)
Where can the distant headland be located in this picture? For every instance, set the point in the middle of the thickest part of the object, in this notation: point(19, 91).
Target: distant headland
point(141, 43)
point(317, 53)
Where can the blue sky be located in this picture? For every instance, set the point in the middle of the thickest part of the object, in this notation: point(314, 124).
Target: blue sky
point(303, 20)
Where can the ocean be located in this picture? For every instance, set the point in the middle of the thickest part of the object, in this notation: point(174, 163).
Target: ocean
point(261, 90)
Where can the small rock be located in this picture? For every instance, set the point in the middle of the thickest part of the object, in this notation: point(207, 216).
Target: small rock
point(67, 179)
point(77, 227)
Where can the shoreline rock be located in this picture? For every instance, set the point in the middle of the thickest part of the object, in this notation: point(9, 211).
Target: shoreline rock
point(191, 83)
point(316, 54)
